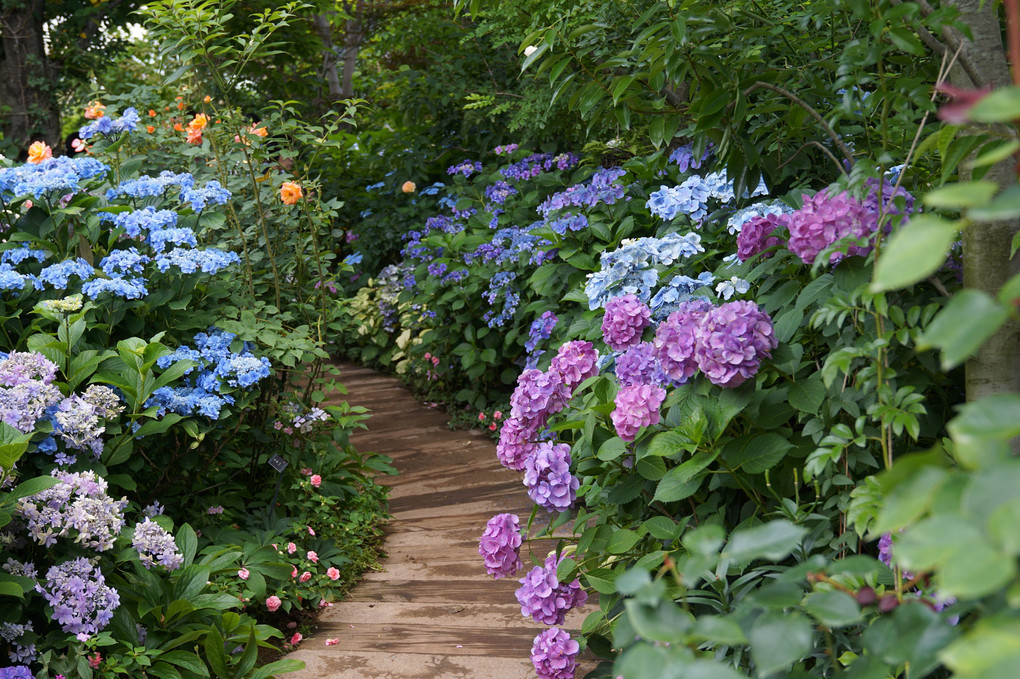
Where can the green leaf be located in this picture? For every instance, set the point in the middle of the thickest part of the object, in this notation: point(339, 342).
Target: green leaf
point(719, 630)
point(278, 667)
point(756, 454)
point(992, 417)
point(705, 540)
point(612, 449)
point(773, 540)
point(914, 252)
point(912, 634)
point(12, 589)
point(778, 640)
point(622, 541)
point(989, 650)
point(807, 394)
point(31, 487)
point(962, 194)
point(960, 329)
point(681, 482)
point(1000, 106)
point(1004, 206)
point(833, 609)
point(602, 580)
point(664, 621)
point(187, 542)
point(187, 660)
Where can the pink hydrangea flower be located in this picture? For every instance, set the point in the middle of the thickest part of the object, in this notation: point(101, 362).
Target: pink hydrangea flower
point(731, 341)
point(243, 573)
point(636, 407)
point(756, 235)
point(554, 654)
point(548, 479)
point(576, 361)
point(273, 603)
point(538, 395)
point(626, 318)
point(823, 220)
point(500, 545)
point(675, 338)
point(515, 443)
point(333, 573)
point(316, 480)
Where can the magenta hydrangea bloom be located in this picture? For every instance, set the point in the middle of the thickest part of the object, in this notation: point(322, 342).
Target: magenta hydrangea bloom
point(675, 337)
point(626, 317)
point(500, 545)
point(639, 365)
point(554, 654)
point(823, 220)
point(576, 361)
point(538, 395)
point(548, 478)
point(756, 235)
point(515, 443)
point(636, 406)
point(545, 599)
point(731, 341)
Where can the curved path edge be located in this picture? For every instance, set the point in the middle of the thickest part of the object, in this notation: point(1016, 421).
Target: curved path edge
point(432, 611)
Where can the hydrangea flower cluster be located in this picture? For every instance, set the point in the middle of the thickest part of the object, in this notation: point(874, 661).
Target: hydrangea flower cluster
point(683, 157)
point(541, 329)
point(825, 219)
point(127, 122)
point(155, 545)
point(675, 338)
point(692, 196)
point(535, 164)
point(501, 282)
point(630, 269)
point(78, 502)
point(678, 290)
point(26, 389)
point(730, 341)
point(498, 193)
point(602, 187)
point(500, 545)
point(575, 362)
point(53, 176)
point(554, 654)
point(465, 168)
point(545, 599)
point(76, 418)
point(756, 236)
point(639, 365)
point(636, 407)
point(538, 394)
point(148, 187)
point(515, 445)
point(548, 479)
point(81, 600)
point(624, 321)
point(218, 370)
point(16, 672)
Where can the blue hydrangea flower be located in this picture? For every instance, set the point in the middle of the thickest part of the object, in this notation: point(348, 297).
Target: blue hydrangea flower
point(54, 175)
point(57, 275)
point(213, 193)
point(146, 186)
point(19, 254)
point(209, 260)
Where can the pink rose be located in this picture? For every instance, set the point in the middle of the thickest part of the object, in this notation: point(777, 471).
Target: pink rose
point(291, 548)
point(243, 573)
point(481, 417)
point(296, 639)
point(498, 415)
point(316, 480)
point(311, 532)
point(332, 642)
point(305, 577)
point(313, 557)
point(273, 603)
point(333, 574)
point(306, 471)
point(293, 573)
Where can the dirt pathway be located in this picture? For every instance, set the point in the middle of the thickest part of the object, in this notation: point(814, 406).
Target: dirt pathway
point(433, 612)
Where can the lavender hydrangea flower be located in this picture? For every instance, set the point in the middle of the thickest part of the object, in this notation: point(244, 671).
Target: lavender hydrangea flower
point(538, 395)
point(554, 654)
point(545, 599)
point(155, 545)
point(78, 502)
point(541, 329)
point(81, 600)
point(675, 338)
point(500, 545)
point(823, 220)
point(639, 365)
point(16, 672)
point(575, 361)
point(515, 443)
point(548, 479)
point(636, 407)
point(77, 423)
point(882, 196)
point(22, 367)
point(731, 341)
point(626, 317)
point(756, 235)
point(27, 391)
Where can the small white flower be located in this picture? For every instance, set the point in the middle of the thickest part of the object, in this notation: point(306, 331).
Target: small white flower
point(529, 50)
point(727, 289)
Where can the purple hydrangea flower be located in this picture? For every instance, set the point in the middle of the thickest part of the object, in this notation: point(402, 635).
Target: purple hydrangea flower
point(538, 394)
point(731, 341)
point(155, 545)
point(626, 317)
point(636, 407)
point(500, 545)
point(639, 365)
point(575, 361)
point(22, 367)
point(553, 654)
point(885, 545)
point(544, 598)
point(548, 478)
point(756, 235)
point(78, 502)
point(541, 329)
point(823, 220)
point(82, 602)
point(888, 197)
point(674, 339)
point(77, 423)
point(515, 443)
point(16, 672)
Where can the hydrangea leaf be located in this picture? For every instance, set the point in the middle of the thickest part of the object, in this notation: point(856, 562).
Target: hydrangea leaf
point(773, 540)
point(960, 329)
point(914, 252)
point(833, 609)
point(778, 640)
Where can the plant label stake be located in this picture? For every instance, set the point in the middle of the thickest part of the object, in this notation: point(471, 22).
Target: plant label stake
point(279, 464)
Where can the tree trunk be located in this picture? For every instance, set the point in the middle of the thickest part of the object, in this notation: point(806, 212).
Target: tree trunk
point(329, 59)
point(986, 245)
point(28, 110)
point(355, 31)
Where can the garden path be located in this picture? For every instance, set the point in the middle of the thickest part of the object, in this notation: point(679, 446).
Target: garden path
point(431, 612)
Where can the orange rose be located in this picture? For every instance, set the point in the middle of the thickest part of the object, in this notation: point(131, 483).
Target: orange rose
point(178, 127)
point(150, 129)
point(258, 131)
point(39, 152)
point(199, 122)
point(180, 105)
point(290, 193)
point(207, 99)
point(94, 110)
point(194, 135)
point(78, 145)
point(152, 114)
point(408, 187)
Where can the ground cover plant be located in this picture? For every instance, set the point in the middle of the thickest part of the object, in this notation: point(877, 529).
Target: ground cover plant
point(736, 386)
